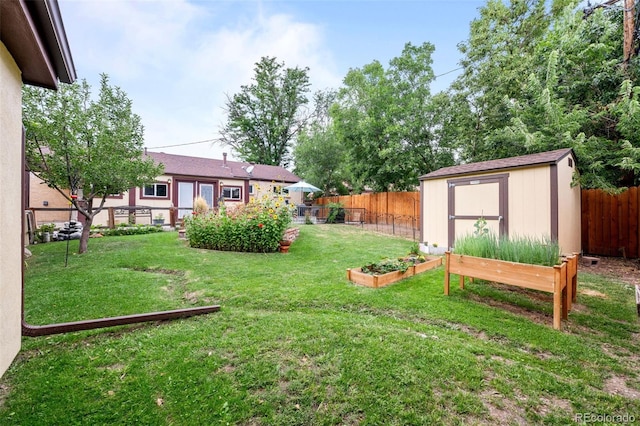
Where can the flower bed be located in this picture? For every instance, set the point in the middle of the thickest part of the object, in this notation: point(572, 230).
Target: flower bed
point(364, 275)
point(258, 226)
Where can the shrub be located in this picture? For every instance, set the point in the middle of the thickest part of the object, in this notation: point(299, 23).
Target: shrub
point(125, 229)
point(200, 205)
point(256, 227)
point(336, 213)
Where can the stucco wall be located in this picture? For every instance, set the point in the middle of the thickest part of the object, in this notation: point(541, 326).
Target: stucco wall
point(10, 208)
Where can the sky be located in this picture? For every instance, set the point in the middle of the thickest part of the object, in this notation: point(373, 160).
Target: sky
point(177, 60)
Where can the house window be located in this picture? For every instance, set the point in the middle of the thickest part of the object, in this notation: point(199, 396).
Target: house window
point(156, 190)
point(251, 189)
point(232, 193)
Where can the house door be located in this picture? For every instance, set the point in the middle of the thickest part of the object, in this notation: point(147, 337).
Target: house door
point(478, 197)
point(206, 192)
point(185, 198)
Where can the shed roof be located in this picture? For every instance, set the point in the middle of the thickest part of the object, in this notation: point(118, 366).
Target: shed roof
point(183, 165)
point(541, 158)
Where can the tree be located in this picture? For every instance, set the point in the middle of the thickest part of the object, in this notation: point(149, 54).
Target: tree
point(541, 76)
point(388, 121)
point(319, 156)
point(85, 149)
point(266, 116)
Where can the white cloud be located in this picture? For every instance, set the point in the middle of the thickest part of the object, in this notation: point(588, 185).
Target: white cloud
point(176, 60)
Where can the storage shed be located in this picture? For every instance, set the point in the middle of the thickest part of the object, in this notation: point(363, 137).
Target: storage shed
point(530, 195)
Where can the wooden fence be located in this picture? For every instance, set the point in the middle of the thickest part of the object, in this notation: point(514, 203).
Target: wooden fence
point(610, 223)
point(387, 203)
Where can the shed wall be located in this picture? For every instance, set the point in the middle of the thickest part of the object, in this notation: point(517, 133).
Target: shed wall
point(530, 202)
point(569, 209)
point(434, 212)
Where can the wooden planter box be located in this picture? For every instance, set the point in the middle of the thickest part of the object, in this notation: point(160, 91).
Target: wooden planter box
point(560, 280)
point(357, 276)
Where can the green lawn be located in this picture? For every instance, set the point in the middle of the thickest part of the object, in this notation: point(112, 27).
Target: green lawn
point(296, 343)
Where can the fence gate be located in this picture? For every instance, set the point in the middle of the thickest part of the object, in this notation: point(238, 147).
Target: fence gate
point(471, 198)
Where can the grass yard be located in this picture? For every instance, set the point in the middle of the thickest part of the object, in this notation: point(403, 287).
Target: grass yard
point(295, 343)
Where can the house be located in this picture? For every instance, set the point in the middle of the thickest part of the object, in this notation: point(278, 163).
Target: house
point(172, 193)
point(530, 195)
point(33, 50)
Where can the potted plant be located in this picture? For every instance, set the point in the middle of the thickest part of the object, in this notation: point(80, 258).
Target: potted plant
point(158, 219)
point(45, 232)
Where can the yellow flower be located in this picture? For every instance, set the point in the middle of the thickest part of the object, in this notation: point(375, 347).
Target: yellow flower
point(275, 217)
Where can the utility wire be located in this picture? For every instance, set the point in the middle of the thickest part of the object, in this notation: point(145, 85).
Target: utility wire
point(448, 72)
point(182, 144)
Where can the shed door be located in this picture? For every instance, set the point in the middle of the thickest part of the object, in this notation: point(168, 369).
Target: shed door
point(476, 197)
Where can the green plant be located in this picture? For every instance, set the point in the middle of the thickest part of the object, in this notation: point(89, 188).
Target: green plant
point(130, 230)
point(47, 227)
point(256, 227)
point(415, 248)
point(481, 227)
point(159, 216)
point(307, 219)
point(385, 266)
point(336, 213)
point(536, 251)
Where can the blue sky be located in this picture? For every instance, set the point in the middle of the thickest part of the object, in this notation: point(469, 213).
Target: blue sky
point(176, 59)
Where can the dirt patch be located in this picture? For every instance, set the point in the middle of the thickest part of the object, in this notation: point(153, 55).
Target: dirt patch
point(617, 385)
point(193, 296)
point(626, 270)
point(502, 410)
point(4, 392)
point(537, 317)
point(593, 293)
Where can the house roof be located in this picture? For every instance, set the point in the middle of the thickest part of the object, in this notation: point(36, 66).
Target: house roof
point(220, 169)
point(34, 34)
point(542, 158)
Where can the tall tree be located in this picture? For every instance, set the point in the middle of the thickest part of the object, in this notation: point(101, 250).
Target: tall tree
point(540, 75)
point(319, 156)
point(265, 117)
point(387, 120)
point(85, 149)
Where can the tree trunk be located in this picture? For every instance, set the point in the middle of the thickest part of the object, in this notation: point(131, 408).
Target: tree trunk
point(84, 238)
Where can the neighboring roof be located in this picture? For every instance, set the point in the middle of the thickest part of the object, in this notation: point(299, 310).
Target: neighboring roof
point(220, 169)
point(34, 34)
point(549, 157)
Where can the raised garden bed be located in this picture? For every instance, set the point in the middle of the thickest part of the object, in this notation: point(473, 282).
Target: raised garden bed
point(560, 280)
point(356, 275)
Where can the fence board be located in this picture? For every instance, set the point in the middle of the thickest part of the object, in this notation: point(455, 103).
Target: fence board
point(611, 223)
point(623, 222)
point(382, 207)
point(634, 218)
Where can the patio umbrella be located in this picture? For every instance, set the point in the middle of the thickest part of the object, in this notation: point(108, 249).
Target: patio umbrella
point(303, 187)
